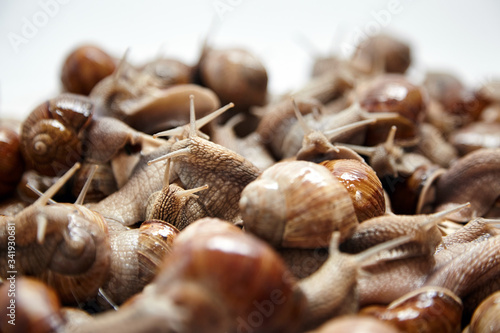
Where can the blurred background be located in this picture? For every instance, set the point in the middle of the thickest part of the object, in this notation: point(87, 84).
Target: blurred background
point(36, 35)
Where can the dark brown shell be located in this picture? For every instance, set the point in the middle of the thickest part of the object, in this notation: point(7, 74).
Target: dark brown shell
point(11, 162)
point(363, 185)
point(394, 94)
point(84, 68)
point(426, 310)
point(235, 75)
point(51, 136)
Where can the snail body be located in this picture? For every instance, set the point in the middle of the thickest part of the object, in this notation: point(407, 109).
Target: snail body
point(11, 164)
point(65, 245)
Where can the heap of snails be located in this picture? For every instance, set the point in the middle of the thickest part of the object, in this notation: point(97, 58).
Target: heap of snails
point(177, 198)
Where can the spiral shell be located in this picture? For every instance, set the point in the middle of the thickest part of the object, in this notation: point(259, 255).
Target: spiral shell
point(297, 204)
point(51, 135)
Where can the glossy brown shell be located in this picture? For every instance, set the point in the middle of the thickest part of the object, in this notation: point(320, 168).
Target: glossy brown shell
point(51, 136)
point(362, 184)
point(84, 68)
point(238, 269)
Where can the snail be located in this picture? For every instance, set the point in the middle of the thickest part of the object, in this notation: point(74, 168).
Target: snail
point(277, 121)
point(453, 105)
point(235, 75)
point(84, 67)
point(393, 94)
point(485, 318)
point(127, 205)
point(346, 126)
point(66, 246)
point(12, 163)
point(389, 159)
point(192, 294)
point(473, 178)
point(423, 230)
point(433, 145)
point(130, 96)
point(175, 205)
point(427, 309)
point(168, 72)
point(475, 136)
point(51, 136)
point(316, 146)
point(362, 184)
point(136, 255)
point(471, 273)
point(199, 162)
point(34, 307)
point(382, 53)
point(297, 204)
point(250, 146)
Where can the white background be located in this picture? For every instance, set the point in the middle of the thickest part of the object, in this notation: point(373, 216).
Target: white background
point(459, 36)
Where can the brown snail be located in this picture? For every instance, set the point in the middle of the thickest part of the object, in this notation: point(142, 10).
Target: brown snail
point(192, 294)
point(11, 164)
point(52, 135)
point(65, 245)
point(84, 68)
point(473, 178)
point(382, 53)
point(297, 204)
point(362, 184)
point(199, 162)
point(356, 324)
point(485, 318)
point(235, 75)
